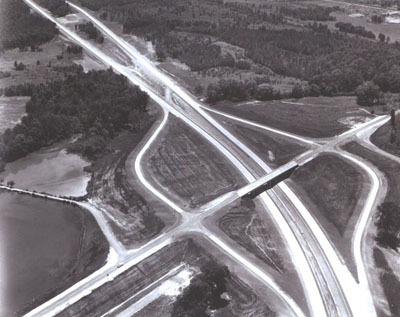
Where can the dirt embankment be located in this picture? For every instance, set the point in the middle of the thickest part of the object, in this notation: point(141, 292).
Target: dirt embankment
point(130, 215)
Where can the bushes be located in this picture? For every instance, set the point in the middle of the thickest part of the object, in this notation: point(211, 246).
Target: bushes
point(357, 30)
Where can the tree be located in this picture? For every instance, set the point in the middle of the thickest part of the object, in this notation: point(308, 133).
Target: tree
point(381, 37)
point(368, 94)
point(10, 183)
point(297, 91)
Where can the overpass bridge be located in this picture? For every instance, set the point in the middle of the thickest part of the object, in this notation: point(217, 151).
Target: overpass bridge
point(253, 189)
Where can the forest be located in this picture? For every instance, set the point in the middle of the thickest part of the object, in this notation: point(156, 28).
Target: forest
point(98, 105)
point(21, 29)
point(316, 13)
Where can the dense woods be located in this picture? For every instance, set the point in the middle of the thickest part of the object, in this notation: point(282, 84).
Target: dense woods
point(97, 105)
point(21, 28)
point(316, 13)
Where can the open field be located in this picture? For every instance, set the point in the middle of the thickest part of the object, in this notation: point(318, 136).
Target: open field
point(37, 267)
point(41, 66)
point(187, 166)
point(12, 110)
point(332, 189)
point(317, 117)
point(274, 149)
point(51, 170)
point(381, 138)
point(129, 283)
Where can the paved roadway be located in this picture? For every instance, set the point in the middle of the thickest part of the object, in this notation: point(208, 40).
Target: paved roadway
point(318, 309)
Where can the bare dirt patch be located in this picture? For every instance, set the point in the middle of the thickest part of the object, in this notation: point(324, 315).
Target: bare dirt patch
point(317, 117)
point(184, 164)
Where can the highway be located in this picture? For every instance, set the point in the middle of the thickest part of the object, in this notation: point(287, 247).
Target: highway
point(324, 295)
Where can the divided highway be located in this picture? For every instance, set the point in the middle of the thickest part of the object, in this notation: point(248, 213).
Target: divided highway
point(329, 286)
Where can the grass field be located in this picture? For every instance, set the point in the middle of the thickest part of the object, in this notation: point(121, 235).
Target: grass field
point(185, 165)
point(317, 117)
point(152, 268)
point(274, 149)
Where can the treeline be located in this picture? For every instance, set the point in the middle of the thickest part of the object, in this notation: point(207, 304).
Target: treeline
point(204, 292)
point(352, 29)
point(25, 89)
point(58, 7)
point(314, 13)
point(235, 91)
point(91, 31)
point(21, 28)
point(98, 105)
point(388, 226)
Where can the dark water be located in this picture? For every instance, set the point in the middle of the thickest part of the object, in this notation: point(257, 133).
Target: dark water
point(39, 242)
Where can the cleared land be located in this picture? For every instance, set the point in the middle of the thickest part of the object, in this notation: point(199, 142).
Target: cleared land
point(331, 188)
point(188, 167)
point(37, 268)
point(272, 148)
point(245, 226)
point(129, 283)
point(317, 117)
point(384, 272)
